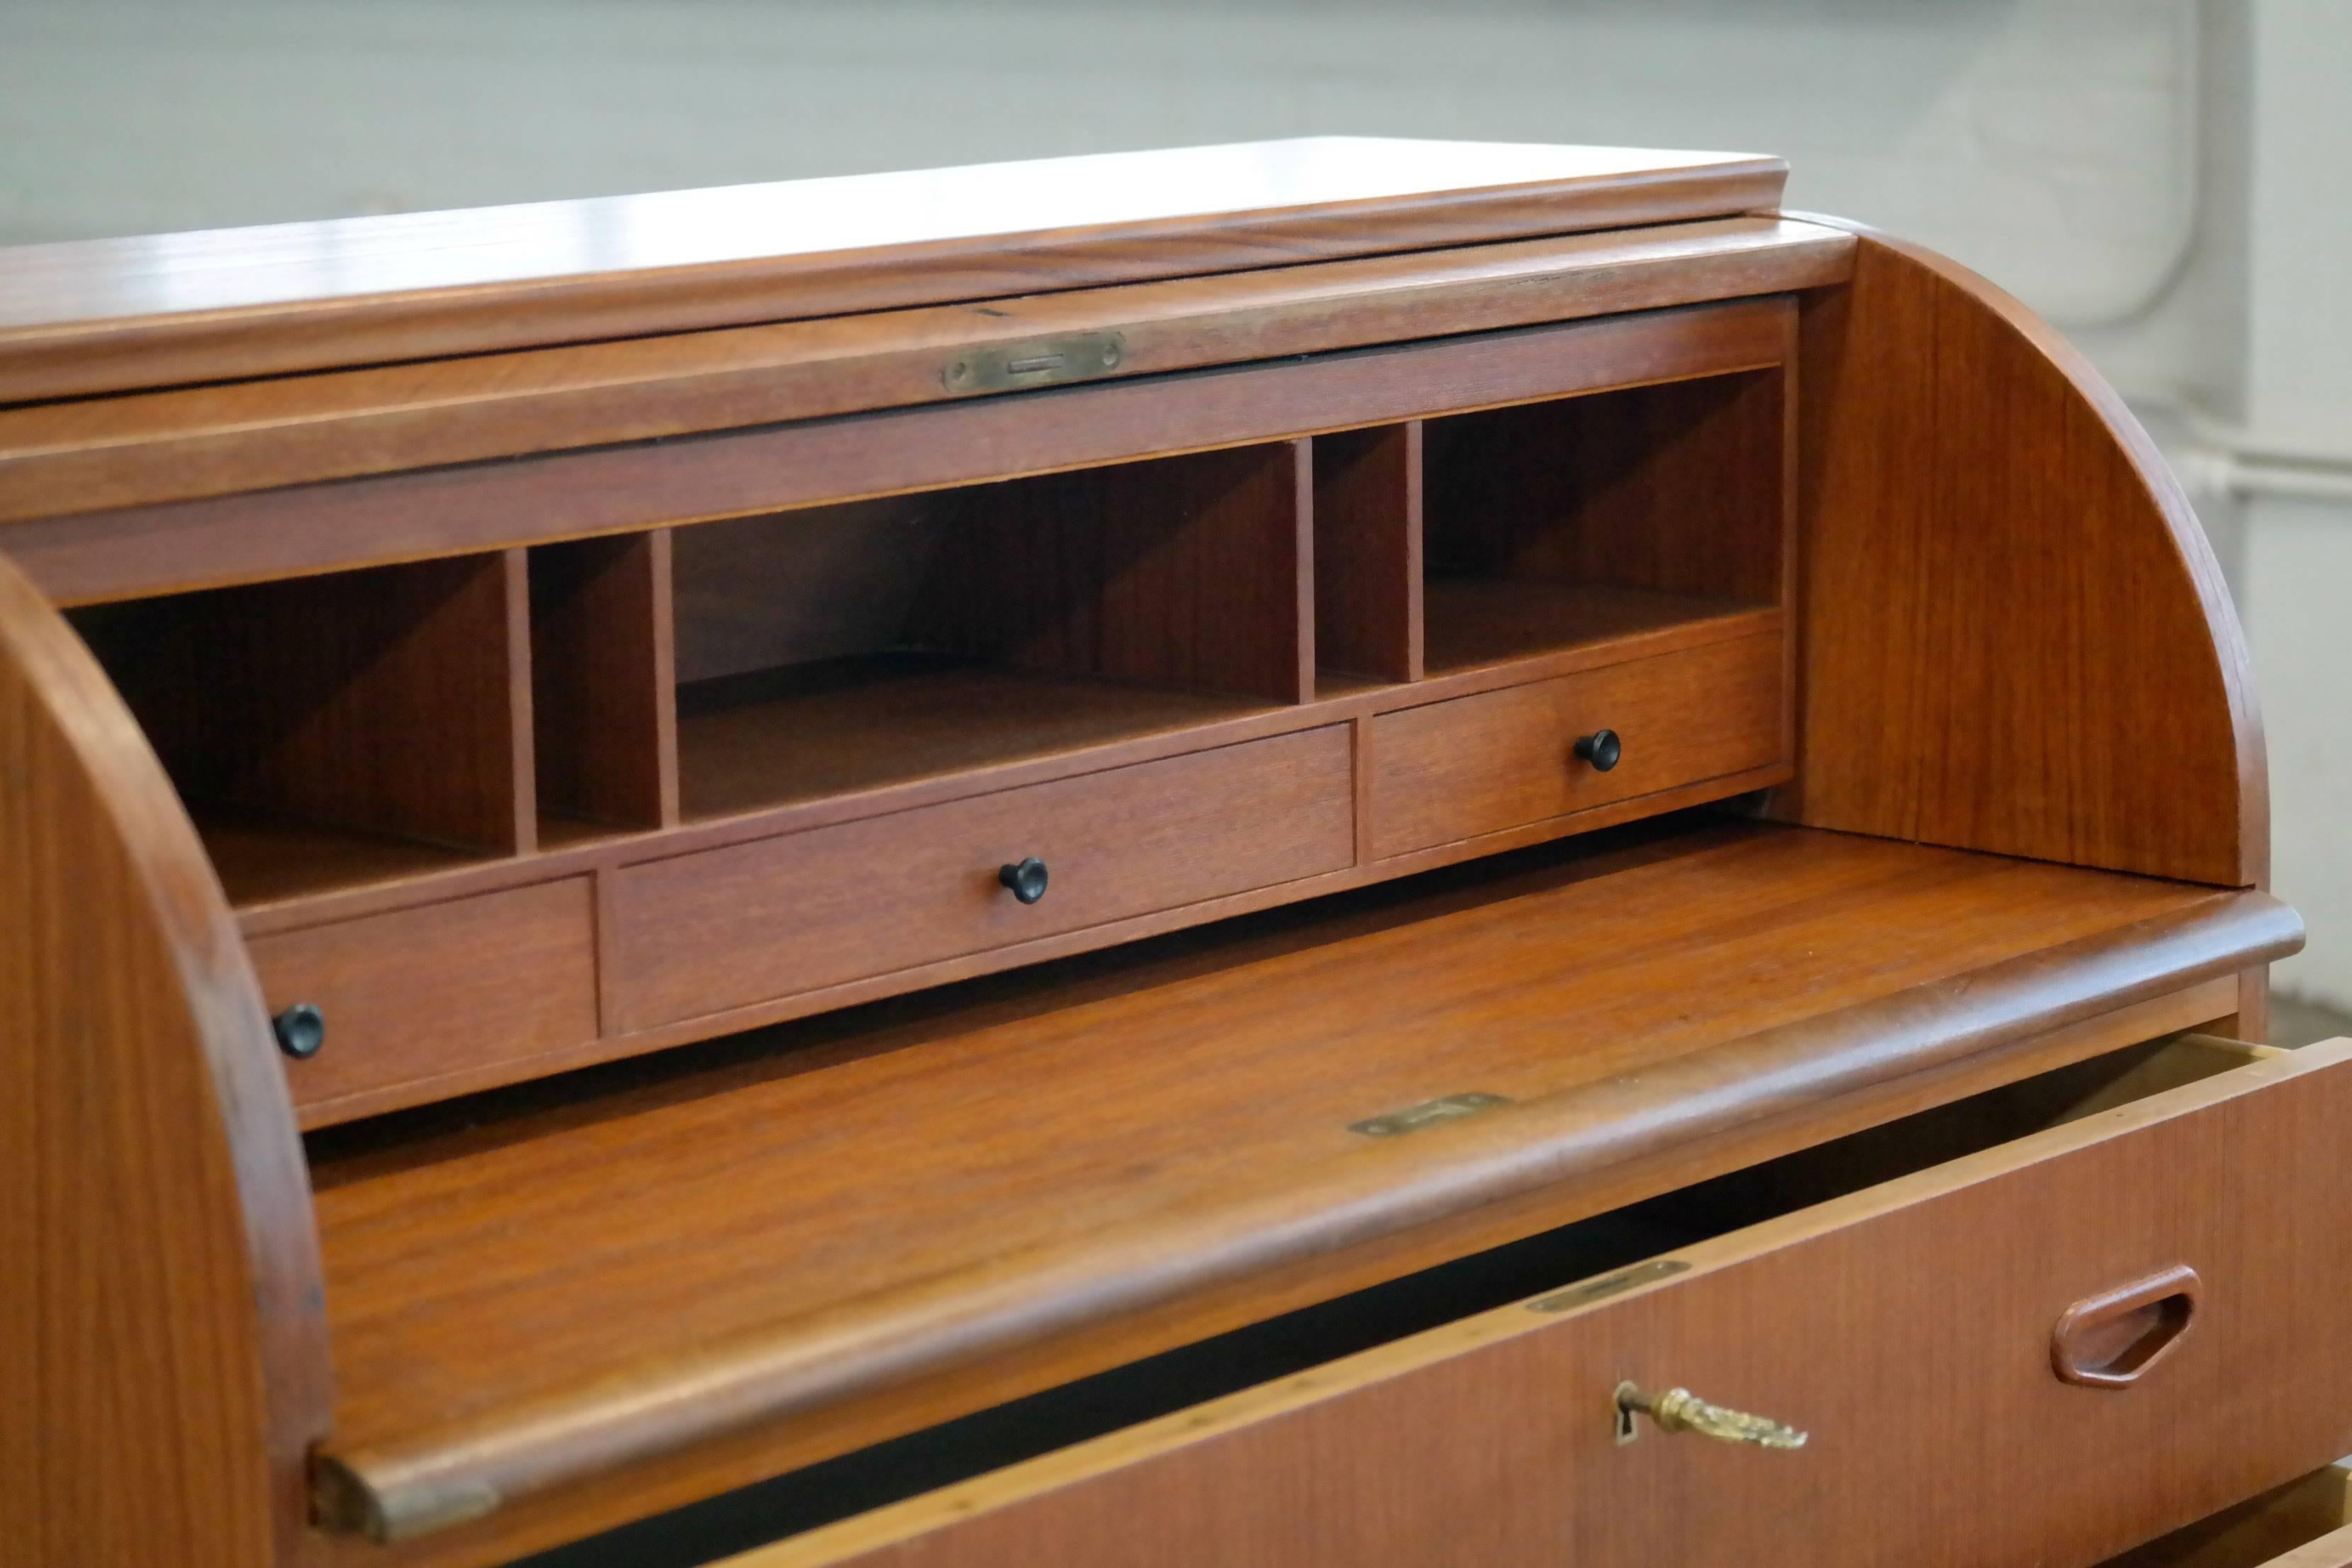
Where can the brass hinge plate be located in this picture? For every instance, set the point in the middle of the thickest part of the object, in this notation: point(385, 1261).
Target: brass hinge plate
point(1428, 1113)
point(1608, 1285)
point(1048, 361)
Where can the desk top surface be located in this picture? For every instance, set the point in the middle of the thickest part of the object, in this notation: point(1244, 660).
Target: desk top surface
point(91, 316)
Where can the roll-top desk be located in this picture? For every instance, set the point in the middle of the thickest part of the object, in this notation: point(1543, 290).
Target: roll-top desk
point(1284, 855)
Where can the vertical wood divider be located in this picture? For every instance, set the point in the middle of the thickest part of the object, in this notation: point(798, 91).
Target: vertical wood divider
point(1792, 634)
point(514, 573)
point(1303, 558)
point(1360, 732)
point(1367, 551)
point(603, 657)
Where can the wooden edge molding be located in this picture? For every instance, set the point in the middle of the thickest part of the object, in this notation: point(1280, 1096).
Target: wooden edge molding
point(2015, 636)
point(299, 530)
point(58, 459)
point(88, 317)
point(641, 1415)
point(162, 1315)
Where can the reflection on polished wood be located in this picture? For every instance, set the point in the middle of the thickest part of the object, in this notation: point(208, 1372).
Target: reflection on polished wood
point(86, 316)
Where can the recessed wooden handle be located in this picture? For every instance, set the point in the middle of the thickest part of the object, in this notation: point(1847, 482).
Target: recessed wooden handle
point(2108, 1341)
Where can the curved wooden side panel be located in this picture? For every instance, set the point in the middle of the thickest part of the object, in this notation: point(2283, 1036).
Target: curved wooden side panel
point(2015, 637)
point(162, 1340)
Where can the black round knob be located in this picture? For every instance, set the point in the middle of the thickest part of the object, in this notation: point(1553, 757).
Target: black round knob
point(1601, 748)
point(1027, 879)
point(301, 1029)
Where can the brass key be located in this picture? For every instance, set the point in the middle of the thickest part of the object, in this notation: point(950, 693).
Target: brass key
point(1680, 1410)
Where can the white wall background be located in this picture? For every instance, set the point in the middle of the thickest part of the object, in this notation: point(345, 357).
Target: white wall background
point(2166, 178)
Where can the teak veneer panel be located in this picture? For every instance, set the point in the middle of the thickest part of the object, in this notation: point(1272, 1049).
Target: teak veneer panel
point(1071, 1154)
point(1674, 488)
point(1368, 551)
point(161, 1336)
point(700, 934)
point(2014, 637)
point(415, 993)
point(600, 1503)
point(93, 454)
point(90, 316)
point(1192, 572)
point(1478, 765)
point(1906, 1327)
point(603, 681)
point(393, 701)
point(2307, 1523)
point(567, 1306)
point(299, 528)
point(773, 738)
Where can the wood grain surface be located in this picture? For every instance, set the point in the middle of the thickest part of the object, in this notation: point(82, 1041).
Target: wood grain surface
point(1446, 771)
point(1368, 551)
point(162, 1338)
point(92, 316)
point(605, 681)
point(1674, 488)
point(564, 1513)
point(1087, 1150)
point(2312, 1514)
point(134, 449)
point(417, 992)
point(1905, 1328)
point(395, 700)
point(840, 728)
point(2014, 635)
point(702, 933)
point(1194, 571)
point(305, 528)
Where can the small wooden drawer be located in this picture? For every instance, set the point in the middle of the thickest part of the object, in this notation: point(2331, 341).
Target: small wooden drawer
point(2046, 1350)
point(727, 928)
point(1471, 765)
point(427, 993)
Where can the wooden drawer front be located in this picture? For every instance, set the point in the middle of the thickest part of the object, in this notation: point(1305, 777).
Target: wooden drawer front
point(424, 992)
point(1456, 769)
point(2306, 1523)
point(725, 928)
point(1907, 1328)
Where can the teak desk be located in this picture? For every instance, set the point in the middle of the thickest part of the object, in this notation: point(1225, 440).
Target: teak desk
point(1203, 858)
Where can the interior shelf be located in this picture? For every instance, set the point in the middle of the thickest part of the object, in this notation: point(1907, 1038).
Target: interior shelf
point(331, 732)
point(850, 1202)
point(263, 857)
point(1559, 525)
point(1473, 623)
point(831, 727)
point(846, 648)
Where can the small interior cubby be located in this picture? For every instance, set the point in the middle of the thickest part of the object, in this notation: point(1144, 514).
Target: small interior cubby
point(339, 728)
point(1367, 567)
point(602, 716)
point(844, 647)
point(1552, 525)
